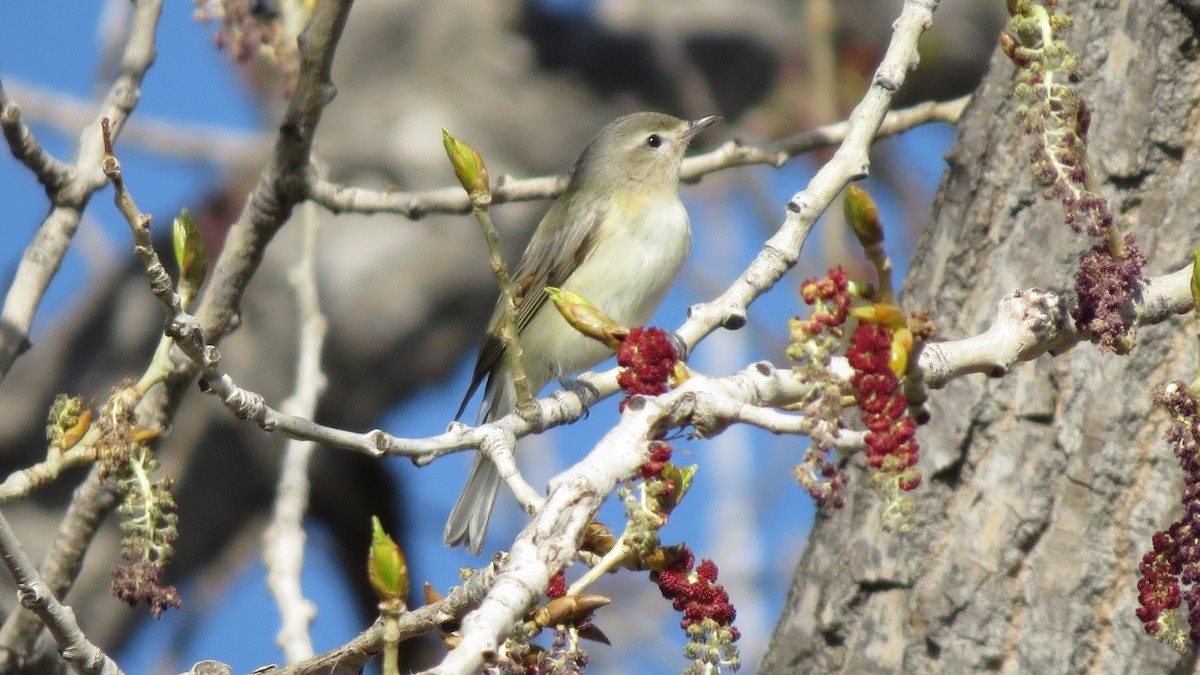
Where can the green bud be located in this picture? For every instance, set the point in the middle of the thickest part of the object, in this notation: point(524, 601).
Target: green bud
point(468, 166)
point(863, 217)
point(386, 567)
point(682, 477)
point(587, 318)
point(190, 255)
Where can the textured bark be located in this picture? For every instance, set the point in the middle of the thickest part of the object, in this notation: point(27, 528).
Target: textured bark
point(1042, 488)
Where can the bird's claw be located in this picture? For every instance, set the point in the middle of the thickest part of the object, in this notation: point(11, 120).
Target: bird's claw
point(681, 347)
point(585, 391)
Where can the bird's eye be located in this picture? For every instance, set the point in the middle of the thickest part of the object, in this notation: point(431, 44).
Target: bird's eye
point(654, 140)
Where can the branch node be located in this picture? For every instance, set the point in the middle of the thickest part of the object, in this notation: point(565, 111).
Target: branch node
point(734, 319)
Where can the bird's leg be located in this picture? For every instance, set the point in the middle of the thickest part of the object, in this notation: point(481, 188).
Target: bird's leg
point(680, 346)
point(586, 391)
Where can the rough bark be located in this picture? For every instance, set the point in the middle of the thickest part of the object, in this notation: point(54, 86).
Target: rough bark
point(1042, 488)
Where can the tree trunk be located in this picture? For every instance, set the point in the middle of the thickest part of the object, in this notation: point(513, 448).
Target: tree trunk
point(1042, 488)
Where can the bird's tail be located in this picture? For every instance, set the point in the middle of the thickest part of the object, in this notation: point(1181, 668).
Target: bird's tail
point(468, 521)
point(469, 518)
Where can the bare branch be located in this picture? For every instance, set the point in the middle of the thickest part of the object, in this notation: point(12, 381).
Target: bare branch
point(1033, 322)
point(550, 541)
point(340, 199)
point(90, 503)
point(50, 171)
point(850, 162)
point(36, 597)
point(351, 657)
point(283, 543)
point(23, 482)
point(218, 145)
point(44, 254)
point(282, 184)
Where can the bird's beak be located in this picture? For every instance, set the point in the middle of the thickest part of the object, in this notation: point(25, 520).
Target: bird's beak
point(699, 125)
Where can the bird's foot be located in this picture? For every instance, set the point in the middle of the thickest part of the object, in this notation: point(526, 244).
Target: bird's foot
point(681, 347)
point(586, 391)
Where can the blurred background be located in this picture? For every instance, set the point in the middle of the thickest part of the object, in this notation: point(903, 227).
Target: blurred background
point(527, 83)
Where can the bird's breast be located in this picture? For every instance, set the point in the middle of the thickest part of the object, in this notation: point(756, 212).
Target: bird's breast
point(639, 250)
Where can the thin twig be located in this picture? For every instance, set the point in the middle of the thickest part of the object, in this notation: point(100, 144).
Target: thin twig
point(821, 77)
point(509, 332)
point(23, 482)
point(59, 619)
point(45, 253)
point(351, 657)
point(340, 198)
point(50, 171)
point(90, 504)
point(283, 542)
point(218, 145)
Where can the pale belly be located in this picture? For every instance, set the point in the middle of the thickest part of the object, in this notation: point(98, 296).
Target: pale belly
point(627, 276)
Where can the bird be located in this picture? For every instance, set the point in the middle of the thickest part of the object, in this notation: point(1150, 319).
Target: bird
point(618, 235)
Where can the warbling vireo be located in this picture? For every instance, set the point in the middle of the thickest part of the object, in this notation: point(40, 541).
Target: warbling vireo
point(618, 236)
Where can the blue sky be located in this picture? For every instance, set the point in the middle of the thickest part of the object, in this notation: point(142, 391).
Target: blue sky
point(743, 474)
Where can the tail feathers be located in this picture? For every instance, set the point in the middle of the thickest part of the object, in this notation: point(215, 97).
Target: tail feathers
point(468, 521)
point(472, 512)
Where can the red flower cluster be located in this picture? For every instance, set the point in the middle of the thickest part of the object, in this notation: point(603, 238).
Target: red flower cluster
point(698, 598)
point(558, 585)
point(891, 443)
point(1175, 558)
point(1158, 589)
point(647, 359)
point(833, 293)
point(660, 454)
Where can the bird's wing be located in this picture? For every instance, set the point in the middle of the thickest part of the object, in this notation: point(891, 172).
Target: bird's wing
point(543, 264)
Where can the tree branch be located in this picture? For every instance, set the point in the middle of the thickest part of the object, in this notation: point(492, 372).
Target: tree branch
point(850, 162)
point(44, 254)
point(36, 597)
point(350, 658)
point(283, 542)
point(342, 199)
point(550, 541)
point(23, 482)
point(1033, 322)
point(90, 503)
point(282, 184)
point(50, 171)
point(218, 145)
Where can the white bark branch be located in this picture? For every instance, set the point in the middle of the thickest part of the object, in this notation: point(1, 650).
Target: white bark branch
point(70, 193)
point(35, 596)
point(283, 542)
point(1033, 322)
point(342, 198)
